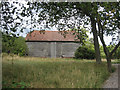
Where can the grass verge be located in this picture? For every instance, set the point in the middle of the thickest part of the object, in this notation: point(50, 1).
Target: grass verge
point(32, 72)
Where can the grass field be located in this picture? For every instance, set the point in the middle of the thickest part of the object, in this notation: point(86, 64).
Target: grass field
point(32, 72)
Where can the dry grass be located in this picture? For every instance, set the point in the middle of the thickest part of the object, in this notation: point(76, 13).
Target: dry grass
point(52, 73)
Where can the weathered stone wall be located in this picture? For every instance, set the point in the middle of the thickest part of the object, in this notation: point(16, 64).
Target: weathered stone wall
point(52, 49)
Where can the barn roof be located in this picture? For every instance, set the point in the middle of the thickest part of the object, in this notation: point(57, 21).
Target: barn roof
point(50, 36)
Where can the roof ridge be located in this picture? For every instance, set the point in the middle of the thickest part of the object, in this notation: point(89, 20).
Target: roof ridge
point(50, 31)
point(52, 36)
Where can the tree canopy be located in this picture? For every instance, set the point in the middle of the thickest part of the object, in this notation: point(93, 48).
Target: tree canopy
point(14, 45)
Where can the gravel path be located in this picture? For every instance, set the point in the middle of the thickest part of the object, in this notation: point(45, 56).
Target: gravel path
point(112, 81)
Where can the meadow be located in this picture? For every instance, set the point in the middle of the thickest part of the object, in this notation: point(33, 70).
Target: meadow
point(35, 72)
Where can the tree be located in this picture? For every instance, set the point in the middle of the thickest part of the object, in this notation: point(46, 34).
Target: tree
point(108, 23)
point(8, 43)
point(20, 46)
point(14, 45)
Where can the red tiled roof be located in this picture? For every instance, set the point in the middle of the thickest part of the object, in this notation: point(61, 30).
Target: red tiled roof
point(50, 36)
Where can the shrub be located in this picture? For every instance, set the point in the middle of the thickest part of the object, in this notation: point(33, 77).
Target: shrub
point(85, 52)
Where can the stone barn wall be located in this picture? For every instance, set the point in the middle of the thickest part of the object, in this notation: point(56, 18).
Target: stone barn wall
point(52, 49)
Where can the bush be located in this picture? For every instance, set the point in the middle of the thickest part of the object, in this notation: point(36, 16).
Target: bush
point(85, 52)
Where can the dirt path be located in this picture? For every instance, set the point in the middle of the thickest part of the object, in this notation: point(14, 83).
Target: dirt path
point(112, 81)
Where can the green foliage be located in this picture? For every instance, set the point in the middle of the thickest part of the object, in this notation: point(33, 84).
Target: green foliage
point(116, 61)
point(7, 43)
point(110, 17)
point(21, 47)
point(116, 54)
point(14, 45)
point(102, 52)
point(80, 34)
point(85, 52)
point(6, 84)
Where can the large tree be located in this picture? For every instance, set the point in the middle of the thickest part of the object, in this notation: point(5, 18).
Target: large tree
point(108, 21)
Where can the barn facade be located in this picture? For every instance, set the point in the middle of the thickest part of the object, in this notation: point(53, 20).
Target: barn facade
point(51, 44)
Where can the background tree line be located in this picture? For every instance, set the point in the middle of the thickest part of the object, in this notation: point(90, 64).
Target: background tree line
point(15, 45)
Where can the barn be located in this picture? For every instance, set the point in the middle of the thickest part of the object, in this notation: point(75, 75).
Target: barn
point(51, 43)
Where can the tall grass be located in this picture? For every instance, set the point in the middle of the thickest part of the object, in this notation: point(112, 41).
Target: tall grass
point(52, 73)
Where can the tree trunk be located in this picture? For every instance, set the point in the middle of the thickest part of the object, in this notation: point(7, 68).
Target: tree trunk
point(96, 43)
point(108, 58)
point(107, 53)
point(109, 64)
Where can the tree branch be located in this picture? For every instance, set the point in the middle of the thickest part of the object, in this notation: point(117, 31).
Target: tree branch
point(100, 28)
point(103, 42)
point(101, 33)
point(115, 48)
